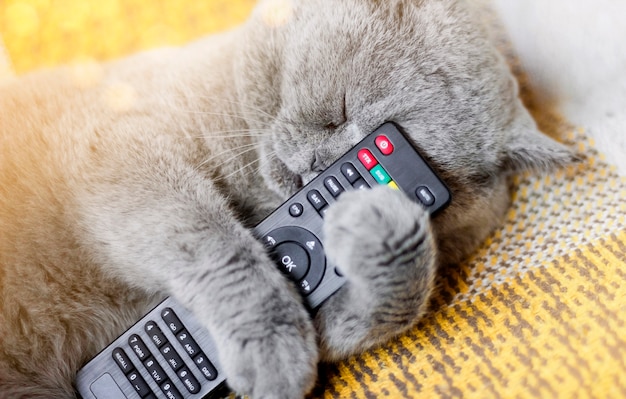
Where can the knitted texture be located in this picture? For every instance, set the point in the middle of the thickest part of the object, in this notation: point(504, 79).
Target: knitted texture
point(537, 311)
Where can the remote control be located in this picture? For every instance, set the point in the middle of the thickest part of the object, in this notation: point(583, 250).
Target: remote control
point(168, 354)
point(293, 232)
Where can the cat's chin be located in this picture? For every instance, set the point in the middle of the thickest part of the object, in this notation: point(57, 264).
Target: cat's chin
point(282, 180)
point(298, 183)
point(307, 177)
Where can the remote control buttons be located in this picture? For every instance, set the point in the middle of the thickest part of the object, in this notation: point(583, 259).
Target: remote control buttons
point(191, 348)
point(206, 367)
point(384, 145)
point(292, 259)
point(140, 349)
point(381, 176)
point(296, 249)
point(361, 184)
point(122, 360)
point(155, 333)
point(296, 209)
point(332, 185)
point(367, 159)
point(134, 377)
point(350, 173)
point(425, 195)
point(316, 199)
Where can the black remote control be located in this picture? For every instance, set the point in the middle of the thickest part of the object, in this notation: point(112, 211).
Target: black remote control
point(293, 232)
point(168, 354)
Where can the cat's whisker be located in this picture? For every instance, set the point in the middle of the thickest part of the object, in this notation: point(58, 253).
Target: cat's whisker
point(244, 106)
point(244, 149)
point(222, 114)
point(225, 134)
point(241, 104)
point(231, 174)
point(256, 170)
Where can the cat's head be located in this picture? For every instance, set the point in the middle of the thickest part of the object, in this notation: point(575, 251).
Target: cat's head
point(330, 72)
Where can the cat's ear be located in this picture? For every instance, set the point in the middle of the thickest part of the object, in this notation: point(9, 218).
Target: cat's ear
point(529, 149)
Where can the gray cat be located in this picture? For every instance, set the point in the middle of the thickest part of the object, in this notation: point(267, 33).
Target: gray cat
point(145, 179)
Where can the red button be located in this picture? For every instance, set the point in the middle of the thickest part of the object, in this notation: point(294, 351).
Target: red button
point(384, 145)
point(367, 159)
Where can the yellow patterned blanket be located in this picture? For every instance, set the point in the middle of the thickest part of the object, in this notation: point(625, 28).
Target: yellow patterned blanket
point(538, 311)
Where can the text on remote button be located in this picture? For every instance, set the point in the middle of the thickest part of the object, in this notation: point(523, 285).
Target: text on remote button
point(425, 195)
point(316, 199)
point(349, 172)
point(380, 174)
point(367, 159)
point(333, 186)
point(384, 145)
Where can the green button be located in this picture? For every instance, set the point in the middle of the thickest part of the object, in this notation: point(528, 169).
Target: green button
point(380, 175)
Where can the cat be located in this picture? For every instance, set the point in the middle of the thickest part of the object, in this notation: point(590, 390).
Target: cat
point(144, 180)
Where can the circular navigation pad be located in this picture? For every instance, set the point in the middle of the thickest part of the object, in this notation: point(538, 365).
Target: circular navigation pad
point(292, 259)
point(299, 254)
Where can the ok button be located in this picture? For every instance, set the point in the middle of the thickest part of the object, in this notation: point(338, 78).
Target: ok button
point(292, 259)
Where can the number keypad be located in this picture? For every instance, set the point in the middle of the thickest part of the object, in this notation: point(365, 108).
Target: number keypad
point(180, 365)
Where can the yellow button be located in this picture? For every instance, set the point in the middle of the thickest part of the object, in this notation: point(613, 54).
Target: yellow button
point(393, 185)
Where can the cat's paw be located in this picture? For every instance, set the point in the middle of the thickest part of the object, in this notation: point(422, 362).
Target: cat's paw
point(380, 234)
point(274, 356)
point(383, 244)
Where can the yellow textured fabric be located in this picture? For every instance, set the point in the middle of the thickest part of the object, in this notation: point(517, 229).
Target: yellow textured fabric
point(538, 311)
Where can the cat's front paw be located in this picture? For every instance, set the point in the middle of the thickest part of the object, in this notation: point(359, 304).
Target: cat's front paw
point(274, 356)
point(379, 236)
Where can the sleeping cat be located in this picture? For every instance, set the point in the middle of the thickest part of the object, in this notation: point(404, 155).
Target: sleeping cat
point(145, 179)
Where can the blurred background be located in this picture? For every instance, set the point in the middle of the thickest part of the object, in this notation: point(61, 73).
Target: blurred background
point(575, 57)
point(40, 33)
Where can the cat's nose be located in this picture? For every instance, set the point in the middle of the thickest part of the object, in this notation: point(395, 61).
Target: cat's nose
point(318, 164)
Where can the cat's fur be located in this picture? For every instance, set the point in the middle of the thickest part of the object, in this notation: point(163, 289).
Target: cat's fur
point(145, 182)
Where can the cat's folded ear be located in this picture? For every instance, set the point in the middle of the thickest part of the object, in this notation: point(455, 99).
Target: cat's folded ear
point(529, 149)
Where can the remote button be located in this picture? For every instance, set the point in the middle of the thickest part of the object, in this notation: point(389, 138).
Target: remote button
point(310, 243)
point(122, 360)
point(316, 199)
point(155, 370)
point(269, 240)
point(361, 184)
point(393, 185)
point(296, 209)
point(189, 381)
point(155, 333)
point(305, 286)
point(349, 172)
point(384, 145)
point(173, 322)
point(188, 343)
point(171, 356)
point(367, 159)
point(139, 384)
point(380, 174)
point(293, 260)
point(333, 186)
point(206, 367)
point(140, 349)
point(425, 196)
point(170, 391)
